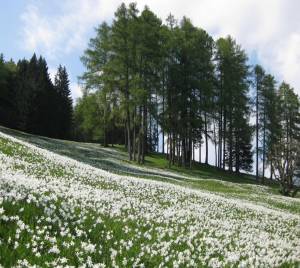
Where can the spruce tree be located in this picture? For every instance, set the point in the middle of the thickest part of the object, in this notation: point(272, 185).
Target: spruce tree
point(42, 120)
point(8, 115)
point(64, 106)
point(23, 94)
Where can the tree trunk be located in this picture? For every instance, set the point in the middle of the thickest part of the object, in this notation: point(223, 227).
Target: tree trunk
point(144, 143)
point(105, 137)
point(272, 171)
point(168, 142)
point(157, 133)
point(200, 145)
point(224, 140)
point(230, 142)
point(220, 138)
point(163, 132)
point(215, 144)
point(264, 149)
point(149, 140)
point(174, 147)
point(190, 152)
point(193, 152)
point(129, 145)
point(257, 132)
point(183, 153)
point(170, 150)
point(206, 138)
point(125, 136)
point(237, 154)
point(134, 136)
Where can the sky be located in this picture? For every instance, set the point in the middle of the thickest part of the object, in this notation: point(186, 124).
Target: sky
point(268, 30)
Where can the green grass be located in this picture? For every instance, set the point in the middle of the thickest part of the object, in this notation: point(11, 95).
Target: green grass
point(159, 160)
point(212, 178)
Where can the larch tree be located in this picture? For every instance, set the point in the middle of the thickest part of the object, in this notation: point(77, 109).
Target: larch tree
point(98, 76)
point(286, 153)
point(259, 77)
point(122, 64)
point(234, 130)
point(267, 118)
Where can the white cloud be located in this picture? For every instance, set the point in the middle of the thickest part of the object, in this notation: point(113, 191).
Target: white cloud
point(270, 28)
point(64, 29)
point(76, 91)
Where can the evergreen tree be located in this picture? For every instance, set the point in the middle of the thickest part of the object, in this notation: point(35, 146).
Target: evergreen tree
point(29, 101)
point(42, 119)
point(7, 93)
point(64, 104)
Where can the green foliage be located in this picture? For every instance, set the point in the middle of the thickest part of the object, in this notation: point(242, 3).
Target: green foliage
point(7, 92)
point(285, 153)
point(90, 116)
point(176, 79)
point(64, 110)
point(29, 101)
point(87, 116)
point(235, 131)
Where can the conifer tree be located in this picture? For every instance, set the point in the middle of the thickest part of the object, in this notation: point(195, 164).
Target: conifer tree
point(64, 106)
point(234, 110)
point(42, 98)
point(259, 77)
point(122, 64)
point(285, 153)
point(267, 118)
point(7, 93)
point(99, 76)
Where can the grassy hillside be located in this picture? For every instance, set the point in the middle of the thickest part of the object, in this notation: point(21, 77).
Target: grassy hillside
point(70, 204)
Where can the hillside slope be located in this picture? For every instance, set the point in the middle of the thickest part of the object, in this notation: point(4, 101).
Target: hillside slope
point(60, 197)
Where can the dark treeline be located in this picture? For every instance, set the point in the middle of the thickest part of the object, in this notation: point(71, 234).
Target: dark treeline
point(146, 79)
point(30, 102)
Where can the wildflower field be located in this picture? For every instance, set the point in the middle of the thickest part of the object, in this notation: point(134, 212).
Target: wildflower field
point(67, 204)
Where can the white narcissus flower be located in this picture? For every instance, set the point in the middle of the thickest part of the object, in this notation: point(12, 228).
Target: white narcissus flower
point(54, 250)
point(179, 226)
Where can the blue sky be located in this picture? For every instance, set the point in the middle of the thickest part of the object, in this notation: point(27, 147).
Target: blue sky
point(268, 30)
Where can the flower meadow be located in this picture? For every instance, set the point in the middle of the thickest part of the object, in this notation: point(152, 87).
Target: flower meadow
point(58, 212)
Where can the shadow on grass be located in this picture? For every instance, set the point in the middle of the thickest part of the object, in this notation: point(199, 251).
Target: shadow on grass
point(114, 159)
